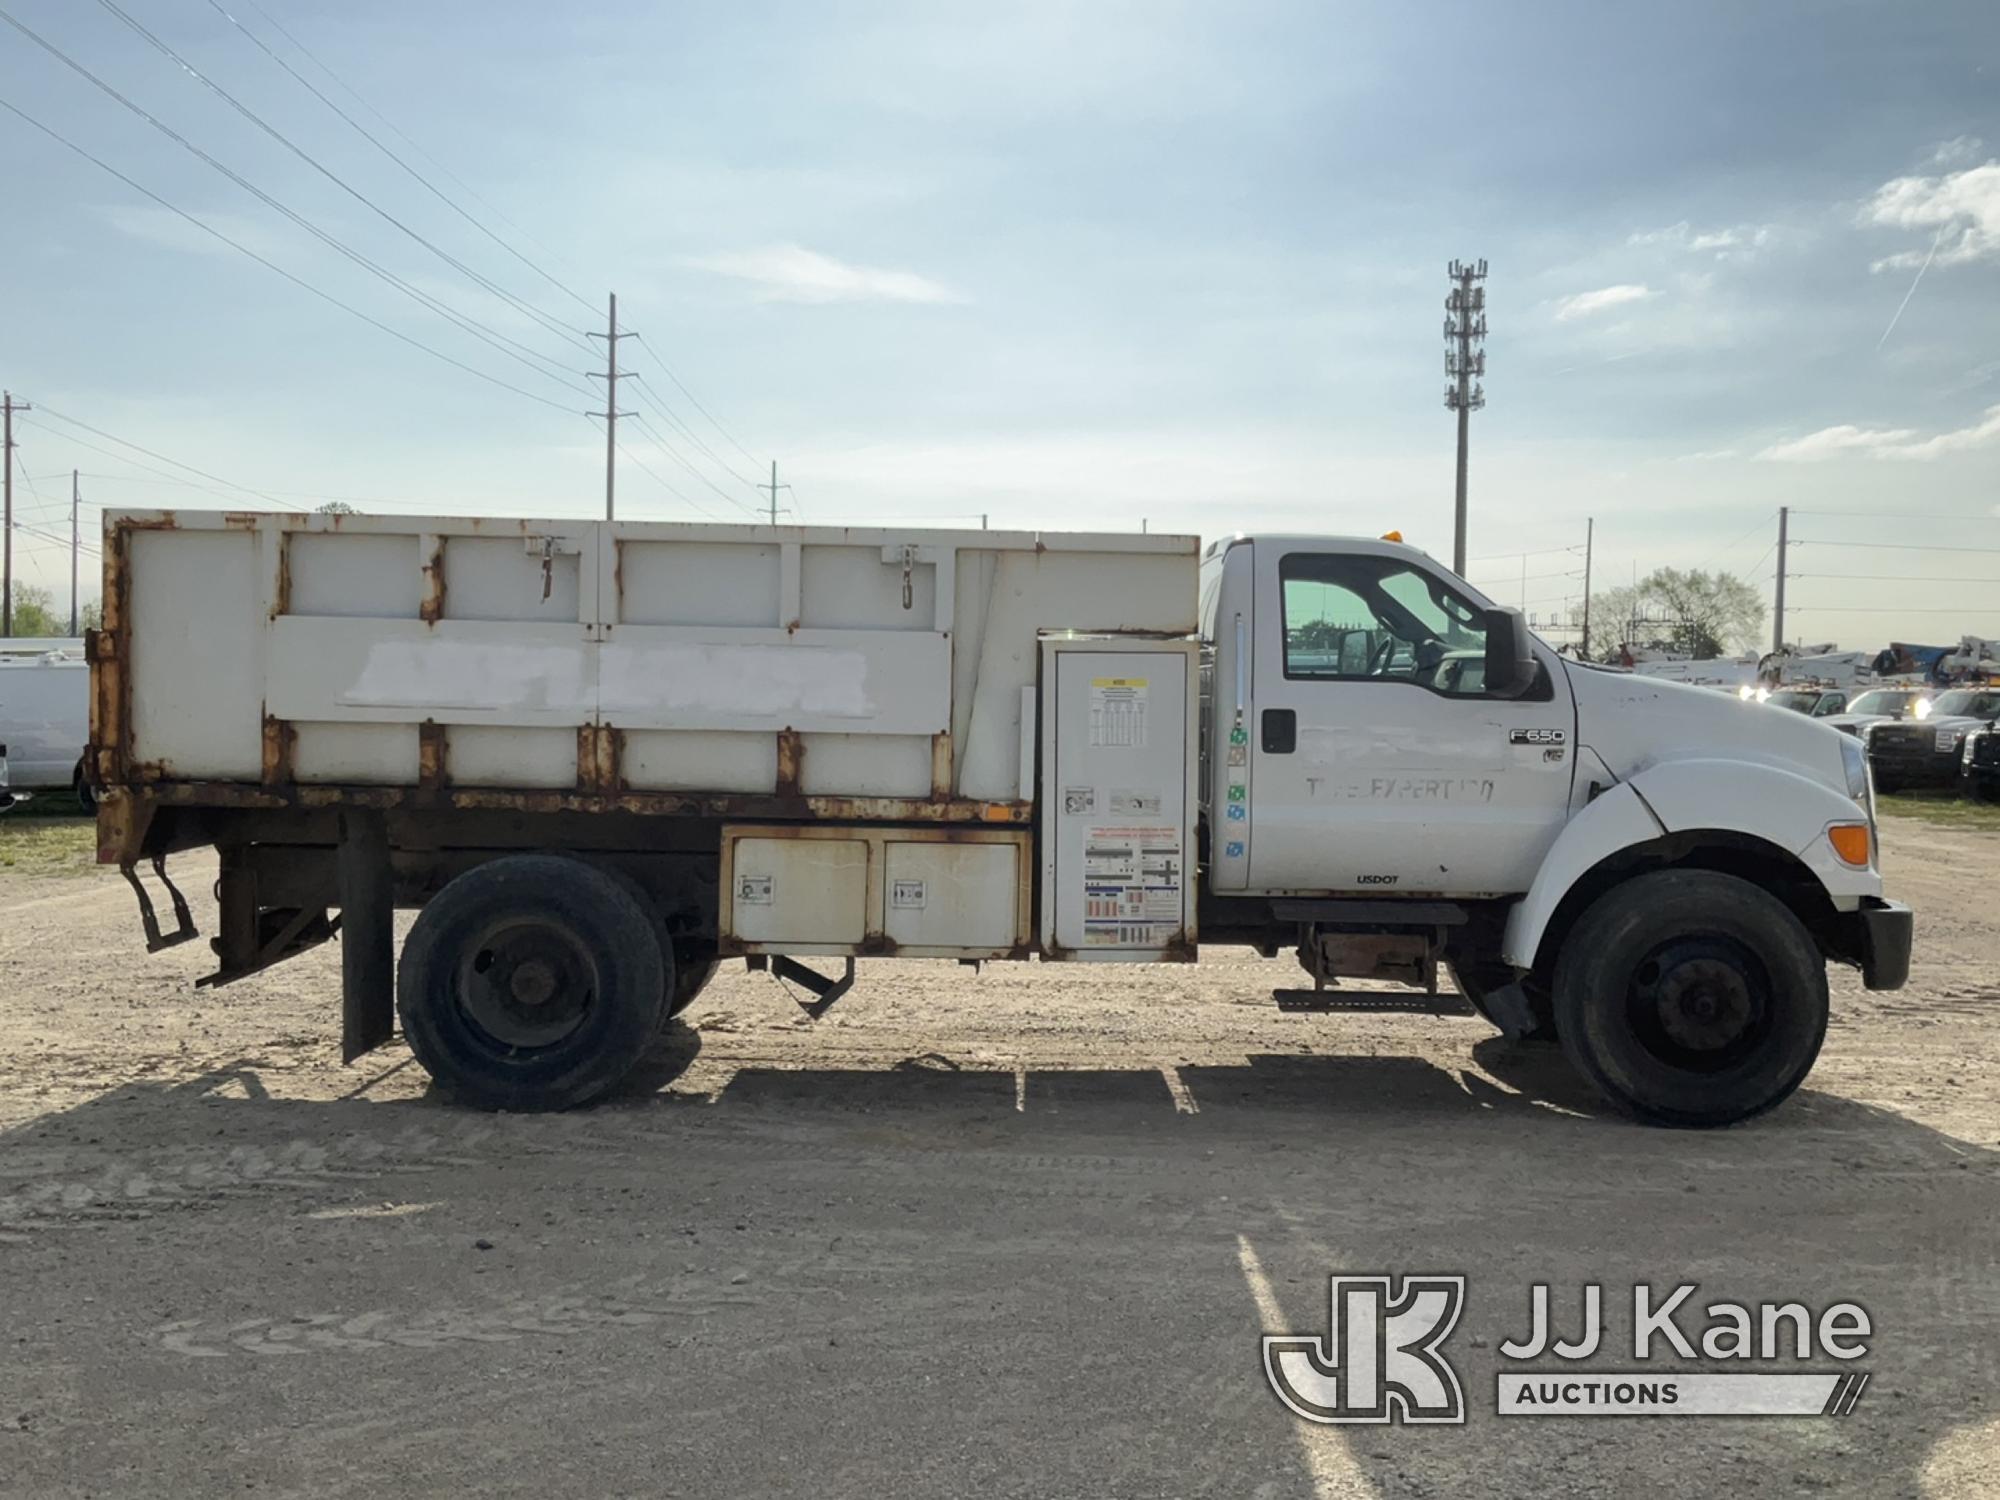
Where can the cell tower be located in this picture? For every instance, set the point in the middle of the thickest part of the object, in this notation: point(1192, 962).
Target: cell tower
point(1464, 364)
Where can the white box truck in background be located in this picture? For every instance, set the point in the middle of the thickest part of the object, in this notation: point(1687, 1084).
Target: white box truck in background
point(44, 716)
point(601, 757)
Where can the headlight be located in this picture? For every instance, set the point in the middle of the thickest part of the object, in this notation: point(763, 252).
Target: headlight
point(1855, 761)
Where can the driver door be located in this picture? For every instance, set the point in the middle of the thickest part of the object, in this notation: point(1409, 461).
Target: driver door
point(1378, 762)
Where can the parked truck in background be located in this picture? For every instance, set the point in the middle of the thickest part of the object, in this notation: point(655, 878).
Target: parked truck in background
point(45, 714)
point(601, 757)
point(1927, 749)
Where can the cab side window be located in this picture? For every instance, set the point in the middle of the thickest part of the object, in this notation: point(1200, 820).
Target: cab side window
point(1353, 618)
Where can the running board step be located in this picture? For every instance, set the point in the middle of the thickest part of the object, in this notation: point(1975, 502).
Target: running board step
point(1372, 1000)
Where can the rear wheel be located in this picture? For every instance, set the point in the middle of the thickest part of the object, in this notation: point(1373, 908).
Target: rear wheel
point(1691, 997)
point(532, 982)
point(86, 797)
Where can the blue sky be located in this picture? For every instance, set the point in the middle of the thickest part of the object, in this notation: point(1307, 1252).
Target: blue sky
point(1064, 265)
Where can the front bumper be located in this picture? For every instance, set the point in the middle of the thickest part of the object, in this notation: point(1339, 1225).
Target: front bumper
point(1878, 938)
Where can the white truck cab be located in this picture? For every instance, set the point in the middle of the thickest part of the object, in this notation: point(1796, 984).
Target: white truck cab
point(1637, 866)
point(634, 749)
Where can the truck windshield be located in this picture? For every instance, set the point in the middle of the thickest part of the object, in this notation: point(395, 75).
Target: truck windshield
point(1968, 703)
point(1883, 701)
point(1797, 702)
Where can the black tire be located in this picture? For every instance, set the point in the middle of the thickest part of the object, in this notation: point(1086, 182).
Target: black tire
point(695, 964)
point(1691, 998)
point(532, 982)
point(1478, 978)
point(86, 797)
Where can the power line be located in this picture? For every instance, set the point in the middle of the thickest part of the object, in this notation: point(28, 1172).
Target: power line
point(667, 370)
point(1892, 546)
point(674, 453)
point(390, 125)
point(1517, 556)
point(445, 198)
point(666, 413)
point(379, 145)
point(1891, 578)
point(1891, 609)
point(48, 411)
point(1906, 515)
point(271, 265)
point(654, 475)
point(336, 179)
point(478, 330)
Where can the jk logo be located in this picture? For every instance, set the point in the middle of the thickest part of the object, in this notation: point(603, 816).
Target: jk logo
point(1381, 1363)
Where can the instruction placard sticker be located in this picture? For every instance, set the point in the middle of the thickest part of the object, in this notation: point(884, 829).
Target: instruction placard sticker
point(908, 895)
point(1118, 712)
point(756, 890)
point(1131, 886)
point(1079, 801)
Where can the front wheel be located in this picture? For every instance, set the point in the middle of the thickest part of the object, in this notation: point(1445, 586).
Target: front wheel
point(532, 982)
point(1690, 997)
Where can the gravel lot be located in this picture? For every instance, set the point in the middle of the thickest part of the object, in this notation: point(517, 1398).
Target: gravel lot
point(1007, 1234)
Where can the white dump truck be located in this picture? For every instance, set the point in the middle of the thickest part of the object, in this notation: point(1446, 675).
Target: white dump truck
point(603, 757)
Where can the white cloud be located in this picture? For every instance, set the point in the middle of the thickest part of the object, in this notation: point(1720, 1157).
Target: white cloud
point(168, 230)
point(1960, 209)
point(791, 273)
point(1584, 304)
point(1957, 151)
point(1736, 240)
point(1885, 442)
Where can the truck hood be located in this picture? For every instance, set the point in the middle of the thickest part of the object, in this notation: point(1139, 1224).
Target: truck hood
point(1633, 723)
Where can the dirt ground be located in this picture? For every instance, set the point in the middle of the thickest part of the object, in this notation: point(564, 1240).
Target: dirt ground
point(1007, 1234)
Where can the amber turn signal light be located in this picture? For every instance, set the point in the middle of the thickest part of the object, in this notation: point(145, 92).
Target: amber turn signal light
point(1850, 842)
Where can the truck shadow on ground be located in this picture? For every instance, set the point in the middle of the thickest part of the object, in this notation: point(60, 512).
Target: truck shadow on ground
point(1169, 1210)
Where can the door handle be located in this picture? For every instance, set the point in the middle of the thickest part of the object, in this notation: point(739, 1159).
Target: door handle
point(1280, 731)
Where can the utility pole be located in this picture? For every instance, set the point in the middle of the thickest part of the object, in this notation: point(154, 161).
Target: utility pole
point(1778, 613)
point(75, 543)
point(610, 376)
point(1589, 541)
point(773, 487)
point(8, 406)
point(1464, 362)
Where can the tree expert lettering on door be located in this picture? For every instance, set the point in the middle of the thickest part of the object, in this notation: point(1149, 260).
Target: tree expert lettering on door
point(1406, 789)
point(1384, 1359)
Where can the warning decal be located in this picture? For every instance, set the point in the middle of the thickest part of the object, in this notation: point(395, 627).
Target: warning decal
point(1131, 886)
point(1118, 713)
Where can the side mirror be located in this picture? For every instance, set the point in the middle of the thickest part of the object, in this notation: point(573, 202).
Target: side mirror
point(1510, 654)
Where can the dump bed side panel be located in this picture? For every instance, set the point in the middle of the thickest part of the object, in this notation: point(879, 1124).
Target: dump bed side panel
point(294, 653)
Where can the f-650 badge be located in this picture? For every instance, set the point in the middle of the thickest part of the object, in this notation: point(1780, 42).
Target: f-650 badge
point(1536, 737)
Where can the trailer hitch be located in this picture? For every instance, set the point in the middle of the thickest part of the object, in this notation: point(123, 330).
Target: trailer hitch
point(827, 990)
point(184, 928)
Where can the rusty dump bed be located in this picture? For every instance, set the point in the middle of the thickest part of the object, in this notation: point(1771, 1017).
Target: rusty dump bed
point(295, 665)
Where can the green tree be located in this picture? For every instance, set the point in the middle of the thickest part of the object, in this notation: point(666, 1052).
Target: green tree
point(34, 614)
point(1692, 613)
